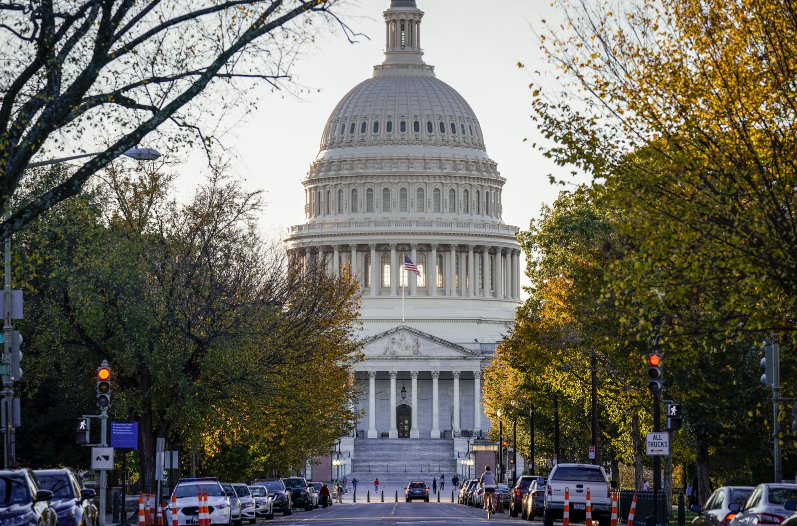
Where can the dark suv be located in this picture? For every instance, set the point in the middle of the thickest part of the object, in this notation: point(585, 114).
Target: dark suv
point(281, 494)
point(23, 501)
point(298, 488)
point(417, 490)
point(71, 502)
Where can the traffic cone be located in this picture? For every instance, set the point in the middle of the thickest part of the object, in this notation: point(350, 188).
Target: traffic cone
point(147, 512)
point(201, 508)
point(631, 513)
point(566, 513)
point(614, 509)
point(205, 513)
point(142, 520)
point(174, 511)
point(589, 509)
point(159, 517)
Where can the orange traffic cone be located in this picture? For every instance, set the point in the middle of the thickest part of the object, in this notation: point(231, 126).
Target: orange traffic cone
point(205, 512)
point(159, 518)
point(142, 520)
point(566, 514)
point(174, 511)
point(631, 513)
point(589, 509)
point(614, 509)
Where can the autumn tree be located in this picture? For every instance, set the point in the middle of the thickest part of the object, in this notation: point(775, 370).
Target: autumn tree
point(113, 72)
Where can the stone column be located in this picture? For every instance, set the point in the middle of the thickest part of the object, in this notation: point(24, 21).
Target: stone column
point(376, 283)
point(451, 289)
point(462, 273)
point(477, 402)
point(509, 277)
point(336, 260)
point(371, 404)
point(456, 403)
point(393, 270)
point(471, 271)
point(486, 270)
point(499, 268)
point(431, 273)
point(354, 271)
point(435, 406)
point(412, 276)
point(415, 406)
point(393, 429)
point(516, 274)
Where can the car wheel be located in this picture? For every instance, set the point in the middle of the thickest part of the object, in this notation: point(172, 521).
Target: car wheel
point(513, 510)
point(309, 507)
point(426, 499)
point(287, 512)
point(547, 518)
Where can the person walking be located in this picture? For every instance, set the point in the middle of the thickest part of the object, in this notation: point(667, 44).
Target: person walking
point(442, 482)
point(434, 485)
point(455, 481)
point(645, 485)
point(376, 485)
point(345, 483)
point(324, 495)
point(354, 483)
point(339, 490)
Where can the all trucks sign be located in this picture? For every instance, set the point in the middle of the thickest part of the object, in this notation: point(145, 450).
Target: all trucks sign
point(658, 444)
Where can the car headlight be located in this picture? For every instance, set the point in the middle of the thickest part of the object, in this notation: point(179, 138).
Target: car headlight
point(221, 507)
point(22, 519)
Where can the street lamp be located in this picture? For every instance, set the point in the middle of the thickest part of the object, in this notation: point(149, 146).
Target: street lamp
point(531, 421)
point(500, 445)
point(139, 154)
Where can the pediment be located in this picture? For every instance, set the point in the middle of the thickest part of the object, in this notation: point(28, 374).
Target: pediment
point(404, 342)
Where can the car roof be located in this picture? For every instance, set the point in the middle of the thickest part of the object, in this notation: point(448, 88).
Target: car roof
point(52, 471)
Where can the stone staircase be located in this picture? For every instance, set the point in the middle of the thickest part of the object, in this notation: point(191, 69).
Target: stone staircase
point(397, 461)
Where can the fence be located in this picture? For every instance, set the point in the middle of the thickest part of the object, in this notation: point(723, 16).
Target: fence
point(644, 506)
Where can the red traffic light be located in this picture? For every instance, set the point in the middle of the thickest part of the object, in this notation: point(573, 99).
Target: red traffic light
point(103, 373)
point(654, 360)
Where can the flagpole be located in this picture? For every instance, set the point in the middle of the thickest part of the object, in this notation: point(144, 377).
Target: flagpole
point(402, 290)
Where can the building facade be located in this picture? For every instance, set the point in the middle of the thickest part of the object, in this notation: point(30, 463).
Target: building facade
point(403, 171)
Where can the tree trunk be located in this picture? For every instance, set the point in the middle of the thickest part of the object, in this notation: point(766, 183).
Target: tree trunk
point(146, 452)
point(639, 474)
point(615, 472)
point(702, 472)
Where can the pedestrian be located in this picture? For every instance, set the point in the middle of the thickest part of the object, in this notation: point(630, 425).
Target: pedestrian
point(354, 483)
point(376, 485)
point(442, 482)
point(434, 485)
point(689, 494)
point(345, 483)
point(455, 481)
point(645, 485)
point(324, 495)
point(339, 490)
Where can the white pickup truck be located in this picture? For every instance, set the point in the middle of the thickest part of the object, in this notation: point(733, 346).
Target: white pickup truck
point(578, 478)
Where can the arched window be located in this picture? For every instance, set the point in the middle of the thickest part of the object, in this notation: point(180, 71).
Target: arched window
point(429, 127)
point(439, 271)
point(486, 203)
point(389, 127)
point(452, 201)
point(353, 127)
point(436, 200)
point(442, 127)
point(385, 199)
point(420, 201)
point(417, 127)
point(403, 127)
point(478, 203)
point(364, 127)
point(471, 129)
point(343, 129)
point(376, 126)
point(403, 200)
point(386, 270)
point(466, 201)
point(369, 200)
point(453, 128)
point(329, 202)
point(421, 264)
point(318, 203)
point(355, 206)
point(340, 201)
point(463, 129)
point(367, 270)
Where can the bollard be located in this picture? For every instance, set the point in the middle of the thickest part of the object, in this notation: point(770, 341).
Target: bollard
point(614, 509)
point(452, 495)
point(396, 495)
point(566, 513)
point(438, 496)
point(589, 509)
point(174, 510)
point(354, 496)
point(632, 511)
point(383, 495)
point(141, 518)
point(681, 509)
point(116, 506)
point(368, 496)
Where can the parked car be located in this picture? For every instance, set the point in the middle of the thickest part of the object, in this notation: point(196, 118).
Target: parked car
point(717, 511)
point(791, 521)
point(73, 504)
point(317, 488)
point(313, 495)
point(534, 500)
point(518, 491)
point(282, 497)
point(23, 501)
point(476, 496)
point(236, 515)
point(247, 502)
point(299, 496)
point(186, 494)
point(765, 505)
point(264, 503)
point(501, 492)
point(463, 490)
point(578, 477)
point(417, 490)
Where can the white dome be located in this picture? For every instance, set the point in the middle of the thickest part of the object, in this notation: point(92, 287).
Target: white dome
point(403, 108)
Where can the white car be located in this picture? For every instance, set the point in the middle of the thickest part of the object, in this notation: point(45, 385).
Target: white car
point(186, 493)
point(247, 502)
point(264, 503)
point(765, 505)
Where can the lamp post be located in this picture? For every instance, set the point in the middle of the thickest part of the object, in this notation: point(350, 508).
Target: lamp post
point(531, 460)
point(514, 451)
point(139, 154)
point(500, 445)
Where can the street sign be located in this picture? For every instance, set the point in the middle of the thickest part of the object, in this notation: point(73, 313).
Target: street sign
point(124, 435)
point(102, 458)
point(592, 452)
point(658, 444)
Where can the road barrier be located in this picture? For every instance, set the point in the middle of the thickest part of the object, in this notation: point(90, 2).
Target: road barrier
point(566, 513)
point(614, 509)
point(632, 512)
point(589, 509)
point(142, 518)
point(368, 496)
point(174, 510)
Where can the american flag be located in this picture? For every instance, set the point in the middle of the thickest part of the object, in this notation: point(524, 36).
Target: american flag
point(409, 265)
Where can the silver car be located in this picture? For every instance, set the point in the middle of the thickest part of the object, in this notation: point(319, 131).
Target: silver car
point(247, 502)
point(717, 511)
point(264, 503)
point(236, 516)
point(765, 505)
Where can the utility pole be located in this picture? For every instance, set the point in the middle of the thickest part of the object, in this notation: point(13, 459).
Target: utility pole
point(775, 406)
point(556, 427)
point(103, 473)
point(531, 419)
point(594, 367)
point(514, 451)
point(8, 382)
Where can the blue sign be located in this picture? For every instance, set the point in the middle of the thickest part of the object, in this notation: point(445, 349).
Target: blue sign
point(124, 435)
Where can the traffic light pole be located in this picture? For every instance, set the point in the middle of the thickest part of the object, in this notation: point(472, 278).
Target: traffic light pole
point(656, 459)
point(103, 473)
point(775, 406)
point(8, 383)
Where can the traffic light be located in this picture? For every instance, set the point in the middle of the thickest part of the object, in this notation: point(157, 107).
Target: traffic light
point(83, 431)
point(768, 364)
point(673, 417)
point(16, 356)
point(104, 385)
point(654, 373)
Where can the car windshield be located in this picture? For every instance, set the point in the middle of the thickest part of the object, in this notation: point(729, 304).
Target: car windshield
point(257, 491)
point(739, 496)
point(524, 483)
point(274, 485)
point(192, 490)
point(316, 485)
point(781, 496)
point(13, 490)
point(579, 473)
point(242, 491)
point(294, 483)
point(417, 484)
point(58, 484)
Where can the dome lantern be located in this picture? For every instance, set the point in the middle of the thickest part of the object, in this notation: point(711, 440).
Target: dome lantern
point(403, 34)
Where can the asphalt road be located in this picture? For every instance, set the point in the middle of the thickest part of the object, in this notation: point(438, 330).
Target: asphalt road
point(390, 514)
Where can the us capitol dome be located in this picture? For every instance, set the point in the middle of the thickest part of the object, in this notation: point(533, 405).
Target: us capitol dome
point(403, 170)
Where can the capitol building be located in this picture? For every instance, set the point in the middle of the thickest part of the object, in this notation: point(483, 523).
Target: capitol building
point(403, 170)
